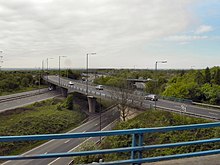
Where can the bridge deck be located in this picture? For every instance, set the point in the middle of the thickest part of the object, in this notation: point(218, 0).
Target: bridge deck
point(203, 160)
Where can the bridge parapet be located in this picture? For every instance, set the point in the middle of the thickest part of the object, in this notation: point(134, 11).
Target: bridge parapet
point(136, 148)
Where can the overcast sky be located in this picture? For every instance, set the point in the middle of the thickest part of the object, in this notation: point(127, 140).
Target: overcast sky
point(123, 33)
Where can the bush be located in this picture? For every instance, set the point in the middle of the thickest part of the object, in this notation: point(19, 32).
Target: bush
point(69, 102)
point(59, 107)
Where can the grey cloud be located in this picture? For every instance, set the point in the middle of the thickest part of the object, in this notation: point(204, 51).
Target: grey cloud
point(54, 27)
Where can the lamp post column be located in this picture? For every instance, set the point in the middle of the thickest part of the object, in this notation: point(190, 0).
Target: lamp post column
point(155, 102)
point(59, 68)
point(156, 80)
point(1, 61)
point(87, 70)
point(48, 67)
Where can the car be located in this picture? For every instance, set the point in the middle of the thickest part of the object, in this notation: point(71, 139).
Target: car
point(99, 87)
point(71, 83)
point(151, 97)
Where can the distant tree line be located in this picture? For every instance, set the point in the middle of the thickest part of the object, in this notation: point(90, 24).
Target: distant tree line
point(197, 85)
point(15, 80)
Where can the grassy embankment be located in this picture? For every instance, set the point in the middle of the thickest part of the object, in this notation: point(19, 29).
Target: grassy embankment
point(152, 118)
point(39, 118)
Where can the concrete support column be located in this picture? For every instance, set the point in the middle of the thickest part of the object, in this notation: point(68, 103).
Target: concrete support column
point(92, 103)
point(64, 92)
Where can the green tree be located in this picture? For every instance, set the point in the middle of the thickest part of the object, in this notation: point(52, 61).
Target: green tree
point(25, 82)
point(207, 75)
point(116, 82)
point(69, 102)
point(73, 74)
point(199, 78)
point(150, 87)
point(217, 77)
point(211, 93)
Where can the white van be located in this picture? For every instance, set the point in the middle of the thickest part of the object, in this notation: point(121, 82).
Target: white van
point(152, 97)
point(99, 87)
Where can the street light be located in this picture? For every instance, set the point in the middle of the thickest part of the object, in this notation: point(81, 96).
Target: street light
point(59, 67)
point(87, 69)
point(42, 65)
point(39, 79)
point(1, 61)
point(155, 100)
point(100, 119)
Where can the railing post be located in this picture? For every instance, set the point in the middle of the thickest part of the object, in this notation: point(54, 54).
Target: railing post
point(140, 144)
point(133, 145)
point(136, 137)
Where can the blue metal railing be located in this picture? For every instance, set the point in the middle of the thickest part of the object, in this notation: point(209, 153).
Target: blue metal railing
point(136, 149)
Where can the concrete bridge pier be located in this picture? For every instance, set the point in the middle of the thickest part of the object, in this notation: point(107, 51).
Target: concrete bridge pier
point(92, 103)
point(64, 92)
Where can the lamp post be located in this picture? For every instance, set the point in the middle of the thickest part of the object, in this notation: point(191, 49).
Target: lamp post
point(42, 65)
point(59, 67)
point(48, 67)
point(1, 61)
point(155, 100)
point(39, 79)
point(100, 119)
point(87, 70)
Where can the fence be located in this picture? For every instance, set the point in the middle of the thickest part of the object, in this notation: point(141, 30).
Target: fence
point(135, 149)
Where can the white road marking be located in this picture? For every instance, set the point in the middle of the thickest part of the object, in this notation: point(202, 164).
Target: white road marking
point(67, 141)
point(53, 161)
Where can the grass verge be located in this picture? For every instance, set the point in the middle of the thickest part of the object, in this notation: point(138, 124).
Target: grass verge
point(155, 118)
point(38, 118)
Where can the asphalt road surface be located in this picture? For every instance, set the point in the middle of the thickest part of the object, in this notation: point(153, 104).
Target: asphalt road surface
point(18, 100)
